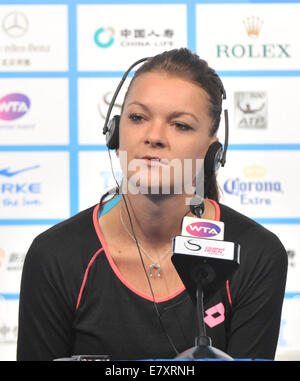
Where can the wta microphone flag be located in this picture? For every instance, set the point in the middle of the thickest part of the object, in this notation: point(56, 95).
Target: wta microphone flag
point(199, 254)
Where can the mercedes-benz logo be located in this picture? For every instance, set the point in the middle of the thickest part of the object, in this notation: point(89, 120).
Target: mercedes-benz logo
point(15, 24)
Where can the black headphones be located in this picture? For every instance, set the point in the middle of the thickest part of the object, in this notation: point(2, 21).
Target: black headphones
point(215, 156)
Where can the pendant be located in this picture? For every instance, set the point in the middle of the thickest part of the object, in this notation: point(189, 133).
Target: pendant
point(155, 266)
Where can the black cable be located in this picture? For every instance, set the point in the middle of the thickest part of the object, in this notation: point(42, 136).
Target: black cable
point(140, 254)
point(143, 264)
point(148, 280)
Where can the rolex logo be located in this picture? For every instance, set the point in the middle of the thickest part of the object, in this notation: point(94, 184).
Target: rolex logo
point(253, 26)
point(255, 49)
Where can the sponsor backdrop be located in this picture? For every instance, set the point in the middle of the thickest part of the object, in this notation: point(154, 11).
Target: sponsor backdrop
point(60, 62)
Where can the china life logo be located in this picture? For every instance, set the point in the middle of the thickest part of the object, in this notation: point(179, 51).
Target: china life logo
point(128, 37)
point(253, 188)
point(254, 49)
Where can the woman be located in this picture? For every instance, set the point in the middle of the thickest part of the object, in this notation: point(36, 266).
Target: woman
point(103, 282)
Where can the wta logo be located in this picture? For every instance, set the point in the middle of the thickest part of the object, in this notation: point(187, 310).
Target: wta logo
point(203, 229)
point(14, 106)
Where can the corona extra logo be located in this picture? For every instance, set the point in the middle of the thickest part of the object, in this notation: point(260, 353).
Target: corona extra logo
point(253, 26)
point(253, 188)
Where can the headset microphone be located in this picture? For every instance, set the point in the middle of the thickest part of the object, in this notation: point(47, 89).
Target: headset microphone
point(186, 245)
point(216, 154)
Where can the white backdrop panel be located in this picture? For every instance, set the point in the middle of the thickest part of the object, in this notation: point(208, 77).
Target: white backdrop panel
point(14, 244)
point(95, 176)
point(34, 111)
point(289, 337)
point(111, 37)
point(262, 110)
point(249, 36)
point(33, 37)
point(290, 238)
point(34, 185)
point(94, 98)
point(261, 184)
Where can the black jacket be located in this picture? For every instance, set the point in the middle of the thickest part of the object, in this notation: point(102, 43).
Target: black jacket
point(74, 301)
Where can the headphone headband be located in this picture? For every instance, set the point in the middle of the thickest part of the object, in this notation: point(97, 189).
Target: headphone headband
point(215, 158)
point(112, 102)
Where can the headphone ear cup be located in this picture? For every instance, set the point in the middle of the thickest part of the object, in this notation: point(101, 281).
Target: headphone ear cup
point(112, 134)
point(213, 158)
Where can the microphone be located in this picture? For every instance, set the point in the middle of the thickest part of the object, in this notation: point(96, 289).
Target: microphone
point(204, 261)
point(200, 252)
point(197, 206)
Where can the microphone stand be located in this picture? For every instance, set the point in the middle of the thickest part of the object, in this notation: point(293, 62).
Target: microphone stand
point(203, 348)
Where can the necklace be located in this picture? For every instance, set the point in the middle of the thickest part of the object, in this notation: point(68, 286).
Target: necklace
point(154, 265)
